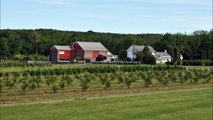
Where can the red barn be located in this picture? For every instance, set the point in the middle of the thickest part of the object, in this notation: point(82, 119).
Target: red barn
point(81, 50)
point(61, 53)
point(88, 50)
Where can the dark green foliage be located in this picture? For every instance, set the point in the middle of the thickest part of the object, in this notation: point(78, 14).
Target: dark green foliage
point(120, 78)
point(68, 79)
point(97, 69)
point(145, 56)
point(1, 85)
point(196, 62)
point(24, 86)
point(192, 47)
point(55, 87)
point(10, 83)
point(32, 84)
point(140, 56)
point(149, 59)
point(23, 41)
point(62, 83)
point(20, 64)
point(124, 75)
point(85, 82)
point(147, 80)
point(107, 83)
point(16, 43)
point(128, 81)
point(53, 82)
point(165, 81)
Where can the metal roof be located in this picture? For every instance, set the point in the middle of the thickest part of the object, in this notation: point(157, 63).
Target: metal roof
point(162, 54)
point(92, 46)
point(140, 48)
point(61, 47)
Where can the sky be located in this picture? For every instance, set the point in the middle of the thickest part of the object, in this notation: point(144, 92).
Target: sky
point(114, 16)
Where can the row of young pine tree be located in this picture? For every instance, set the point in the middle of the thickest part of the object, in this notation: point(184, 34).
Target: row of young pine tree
point(148, 76)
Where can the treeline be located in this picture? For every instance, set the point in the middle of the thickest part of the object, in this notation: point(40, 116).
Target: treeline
point(17, 44)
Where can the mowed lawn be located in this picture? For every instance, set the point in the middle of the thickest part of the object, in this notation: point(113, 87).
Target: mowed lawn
point(194, 104)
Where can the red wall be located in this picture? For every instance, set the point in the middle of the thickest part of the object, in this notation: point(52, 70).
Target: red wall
point(95, 54)
point(72, 54)
point(76, 46)
point(68, 54)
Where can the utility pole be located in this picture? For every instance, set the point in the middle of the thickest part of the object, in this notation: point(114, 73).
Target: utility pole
point(36, 55)
point(134, 50)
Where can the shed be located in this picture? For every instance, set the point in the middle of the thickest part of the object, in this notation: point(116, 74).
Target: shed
point(61, 53)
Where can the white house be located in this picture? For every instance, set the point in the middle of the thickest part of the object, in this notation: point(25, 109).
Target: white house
point(132, 50)
point(163, 57)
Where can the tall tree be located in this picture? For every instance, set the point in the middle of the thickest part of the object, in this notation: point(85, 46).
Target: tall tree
point(4, 49)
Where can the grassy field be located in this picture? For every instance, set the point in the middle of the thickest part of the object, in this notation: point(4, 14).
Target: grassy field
point(192, 104)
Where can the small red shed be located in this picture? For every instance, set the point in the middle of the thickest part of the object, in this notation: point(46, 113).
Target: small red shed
point(61, 53)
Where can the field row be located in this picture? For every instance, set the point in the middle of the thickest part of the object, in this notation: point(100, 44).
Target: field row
point(20, 84)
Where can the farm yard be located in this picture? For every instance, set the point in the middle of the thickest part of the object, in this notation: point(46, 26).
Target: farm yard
point(106, 60)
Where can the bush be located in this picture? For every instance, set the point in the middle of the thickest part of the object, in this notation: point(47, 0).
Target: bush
point(85, 82)
point(197, 62)
point(128, 81)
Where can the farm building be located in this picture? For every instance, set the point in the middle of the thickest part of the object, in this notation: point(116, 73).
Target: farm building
point(78, 50)
point(88, 50)
point(61, 53)
point(163, 57)
point(132, 50)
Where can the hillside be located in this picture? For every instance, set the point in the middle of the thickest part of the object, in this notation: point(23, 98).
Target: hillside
point(198, 45)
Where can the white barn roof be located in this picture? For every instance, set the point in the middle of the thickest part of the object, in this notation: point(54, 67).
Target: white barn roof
point(61, 47)
point(92, 46)
point(140, 48)
point(162, 55)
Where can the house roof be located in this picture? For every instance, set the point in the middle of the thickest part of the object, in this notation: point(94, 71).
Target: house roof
point(140, 48)
point(61, 47)
point(92, 46)
point(162, 54)
point(110, 55)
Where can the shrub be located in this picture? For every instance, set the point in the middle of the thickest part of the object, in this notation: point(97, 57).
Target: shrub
point(85, 82)
point(107, 84)
point(62, 83)
point(24, 86)
point(32, 84)
point(55, 87)
point(128, 81)
point(197, 62)
point(1, 85)
point(147, 81)
point(68, 79)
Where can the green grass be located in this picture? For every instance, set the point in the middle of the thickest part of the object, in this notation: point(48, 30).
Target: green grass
point(177, 105)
